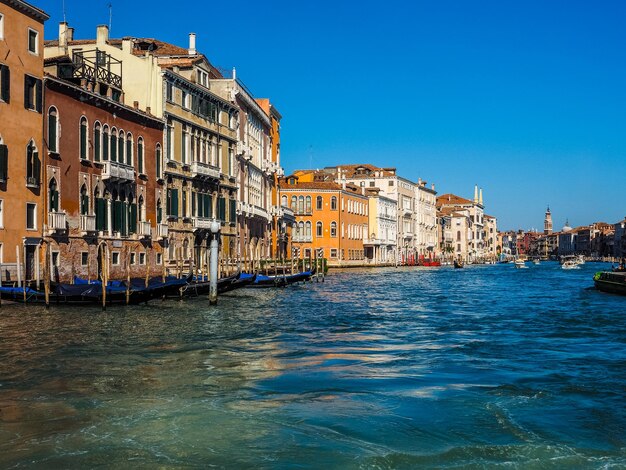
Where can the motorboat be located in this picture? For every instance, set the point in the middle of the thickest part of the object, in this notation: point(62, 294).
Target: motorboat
point(520, 264)
point(570, 264)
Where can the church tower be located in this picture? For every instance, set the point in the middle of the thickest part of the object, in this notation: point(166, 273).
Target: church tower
point(547, 222)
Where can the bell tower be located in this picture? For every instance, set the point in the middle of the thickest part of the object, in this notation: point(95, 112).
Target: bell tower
point(547, 222)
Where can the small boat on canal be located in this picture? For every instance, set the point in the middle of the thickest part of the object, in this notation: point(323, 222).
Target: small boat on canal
point(613, 283)
point(458, 264)
point(520, 264)
point(281, 280)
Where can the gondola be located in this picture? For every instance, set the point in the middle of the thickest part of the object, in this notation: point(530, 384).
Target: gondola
point(280, 280)
point(458, 264)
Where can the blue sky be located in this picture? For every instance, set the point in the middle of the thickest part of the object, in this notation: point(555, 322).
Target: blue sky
point(526, 99)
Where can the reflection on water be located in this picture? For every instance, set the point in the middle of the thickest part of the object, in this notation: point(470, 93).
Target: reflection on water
point(389, 368)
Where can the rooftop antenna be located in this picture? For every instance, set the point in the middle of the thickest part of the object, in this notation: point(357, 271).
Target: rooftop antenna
point(110, 15)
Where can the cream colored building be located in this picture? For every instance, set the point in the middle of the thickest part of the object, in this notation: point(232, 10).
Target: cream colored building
point(380, 243)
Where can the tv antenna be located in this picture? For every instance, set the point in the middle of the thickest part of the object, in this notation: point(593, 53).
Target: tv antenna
point(110, 15)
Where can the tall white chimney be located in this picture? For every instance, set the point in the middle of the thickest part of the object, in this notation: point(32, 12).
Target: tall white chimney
point(192, 44)
point(102, 34)
point(476, 194)
point(63, 34)
point(480, 198)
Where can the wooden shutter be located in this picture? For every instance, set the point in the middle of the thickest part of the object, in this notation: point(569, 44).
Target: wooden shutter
point(222, 208)
point(233, 210)
point(193, 203)
point(96, 145)
point(133, 218)
point(158, 162)
point(5, 78)
point(83, 140)
point(175, 202)
point(129, 152)
point(27, 89)
point(52, 131)
point(38, 94)
point(54, 201)
point(36, 167)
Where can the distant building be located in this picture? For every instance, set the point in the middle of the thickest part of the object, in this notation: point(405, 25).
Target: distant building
point(380, 243)
point(547, 222)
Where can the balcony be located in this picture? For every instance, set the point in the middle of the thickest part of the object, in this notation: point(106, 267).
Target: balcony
point(256, 211)
point(204, 170)
point(302, 238)
point(144, 229)
point(57, 221)
point(373, 241)
point(162, 230)
point(87, 224)
point(303, 211)
point(32, 182)
point(276, 211)
point(201, 223)
point(117, 171)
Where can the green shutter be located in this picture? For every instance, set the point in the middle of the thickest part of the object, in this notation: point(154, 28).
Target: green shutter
point(52, 132)
point(54, 201)
point(159, 214)
point(96, 145)
point(100, 214)
point(4, 162)
point(133, 218)
point(84, 205)
point(38, 94)
point(129, 152)
point(168, 203)
point(105, 146)
point(83, 140)
point(233, 210)
point(209, 205)
point(36, 167)
point(113, 148)
point(158, 162)
point(140, 156)
point(193, 203)
point(175, 202)
point(222, 208)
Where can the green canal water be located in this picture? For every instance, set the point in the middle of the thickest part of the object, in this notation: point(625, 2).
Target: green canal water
point(482, 367)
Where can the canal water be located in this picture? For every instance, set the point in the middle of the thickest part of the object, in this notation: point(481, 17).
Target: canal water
point(392, 368)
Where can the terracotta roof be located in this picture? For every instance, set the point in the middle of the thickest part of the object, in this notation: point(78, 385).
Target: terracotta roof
point(451, 200)
point(311, 185)
point(355, 171)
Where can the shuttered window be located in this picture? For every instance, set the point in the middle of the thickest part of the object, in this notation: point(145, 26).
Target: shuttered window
point(158, 161)
point(222, 209)
point(101, 215)
point(83, 138)
point(233, 210)
point(140, 155)
point(4, 163)
point(172, 202)
point(133, 219)
point(5, 84)
point(53, 129)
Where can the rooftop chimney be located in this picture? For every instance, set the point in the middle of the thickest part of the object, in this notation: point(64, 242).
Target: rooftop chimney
point(234, 73)
point(480, 198)
point(102, 34)
point(63, 34)
point(475, 194)
point(192, 44)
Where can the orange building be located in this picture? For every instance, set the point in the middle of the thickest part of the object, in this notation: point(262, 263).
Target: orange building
point(21, 146)
point(330, 218)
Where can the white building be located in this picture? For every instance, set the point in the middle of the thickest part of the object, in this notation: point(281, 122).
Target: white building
point(380, 243)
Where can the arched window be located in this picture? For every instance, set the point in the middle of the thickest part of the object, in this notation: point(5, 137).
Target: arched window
point(120, 146)
point(113, 146)
point(158, 157)
point(83, 138)
point(319, 204)
point(33, 165)
point(319, 229)
point(84, 200)
point(140, 155)
point(97, 131)
point(105, 143)
point(307, 229)
point(333, 203)
point(129, 149)
point(301, 204)
point(308, 204)
point(301, 230)
point(333, 229)
point(53, 196)
point(53, 130)
point(159, 207)
point(283, 201)
point(294, 203)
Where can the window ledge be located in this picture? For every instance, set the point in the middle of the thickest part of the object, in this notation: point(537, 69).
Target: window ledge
point(53, 154)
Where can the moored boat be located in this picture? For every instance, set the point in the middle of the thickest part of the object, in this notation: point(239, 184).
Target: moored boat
point(613, 283)
point(458, 264)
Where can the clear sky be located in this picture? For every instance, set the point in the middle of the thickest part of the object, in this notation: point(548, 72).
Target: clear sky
point(526, 99)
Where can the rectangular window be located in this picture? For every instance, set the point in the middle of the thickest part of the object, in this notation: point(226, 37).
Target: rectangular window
point(32, 93)
point(31, 216)
point(5, 82)
point(55, 259)
point(115, 258)
point(4, 163)
point(133, 258)
point(84, 258)
point(1, 213)
point(33, 41)
point(142, 259)
point(1, 26)
point(185, 98)
point(159, 258)
point(169, 92)
point(333, 253)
